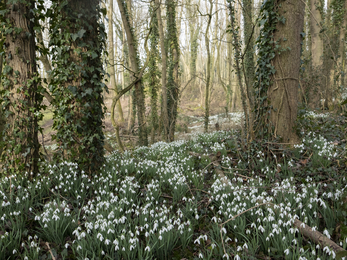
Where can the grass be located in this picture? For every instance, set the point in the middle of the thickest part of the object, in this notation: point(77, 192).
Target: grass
point(167, 202)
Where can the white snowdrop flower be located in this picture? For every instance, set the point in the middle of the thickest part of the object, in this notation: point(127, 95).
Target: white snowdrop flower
point(261, 229)
point(239, 248)
point(66, 245)
point(286, 251)
point(79, 247)
point(301, 250)
point(333, 254)
point(14, 251)
point(245, 246)
point(237, 257)
point(26, 258)
point(326, 232)
point(160, 238)
point(201, 255)
point(313, 252)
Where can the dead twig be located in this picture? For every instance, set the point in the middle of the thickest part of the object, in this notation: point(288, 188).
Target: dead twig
point(50, 251)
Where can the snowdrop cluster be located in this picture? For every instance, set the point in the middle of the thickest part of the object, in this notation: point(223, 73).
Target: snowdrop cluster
point(149, 202)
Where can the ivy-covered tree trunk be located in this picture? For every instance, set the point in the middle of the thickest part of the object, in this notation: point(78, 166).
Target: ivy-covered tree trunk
point(248, 133)
point(249, 65)
point(21, 98)
point(164, 110)
point(194, 29)
point(77, 41)
point(342, 49)
point(135, 67)
point(173, 62)
point(153, 72)
point(283, 92)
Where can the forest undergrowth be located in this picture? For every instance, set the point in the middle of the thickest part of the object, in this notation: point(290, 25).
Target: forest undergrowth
point(205, 198)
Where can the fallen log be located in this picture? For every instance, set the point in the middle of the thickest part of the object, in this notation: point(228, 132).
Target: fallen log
point(317, 236)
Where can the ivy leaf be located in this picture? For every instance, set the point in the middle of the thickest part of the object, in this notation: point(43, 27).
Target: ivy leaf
point(81, 33)
point(74, 36)
point(73, 90)
point(94, 55)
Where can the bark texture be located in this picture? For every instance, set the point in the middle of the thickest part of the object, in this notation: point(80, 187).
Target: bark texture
point(283, 94)
point(173, 66)
point(315, 89)
point(164, 111)
point(22, 100)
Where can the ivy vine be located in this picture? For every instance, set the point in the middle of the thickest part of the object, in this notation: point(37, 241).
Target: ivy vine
point(267, 48)
point(153, 75)
point(77, 41)
point(21, 93)
point(173, 59)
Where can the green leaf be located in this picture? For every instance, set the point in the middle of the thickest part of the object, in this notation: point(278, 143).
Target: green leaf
point(89, 91)
point(94, 55)
point(341, 254)
point(81, 33)
point(74, 36)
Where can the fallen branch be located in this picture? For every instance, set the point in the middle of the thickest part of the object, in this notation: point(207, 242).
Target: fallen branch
point(317, 236)
point(50, 251)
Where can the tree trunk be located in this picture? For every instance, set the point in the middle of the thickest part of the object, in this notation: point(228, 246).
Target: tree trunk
point(283, 93)
point(164, 109)
point(342, 48)
point(315, 88)
point(153, 72)
point(194, 29)
point(328, 58)
point(173, 62)
point(249, 65)
point(248, 131)
point(111, 61)
point(22, 98)
point(135, 67)
point(78, 96)
point(208, 74)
